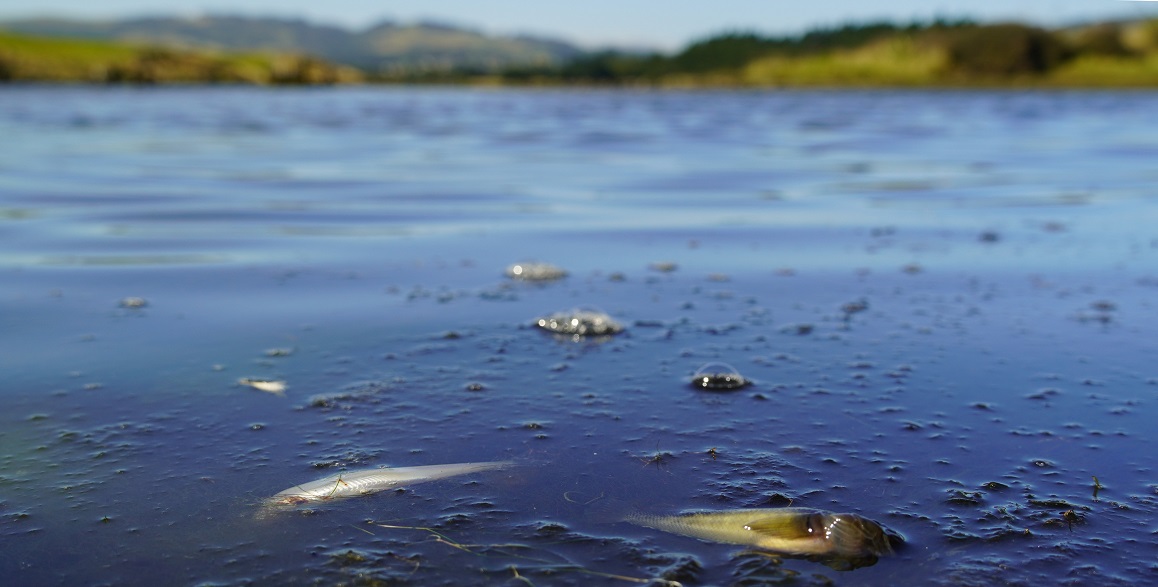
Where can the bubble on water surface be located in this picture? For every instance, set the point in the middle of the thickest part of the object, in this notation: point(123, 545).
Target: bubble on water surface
point(718, 377)
point(663, 266)
point(535, 272)
point(580, 323)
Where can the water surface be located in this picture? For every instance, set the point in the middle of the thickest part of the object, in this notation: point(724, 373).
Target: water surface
point(945, 302)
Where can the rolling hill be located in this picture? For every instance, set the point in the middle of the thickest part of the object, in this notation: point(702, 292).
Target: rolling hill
point(383, 48)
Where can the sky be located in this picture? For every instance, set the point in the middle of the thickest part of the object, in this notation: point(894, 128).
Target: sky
point(660, 24)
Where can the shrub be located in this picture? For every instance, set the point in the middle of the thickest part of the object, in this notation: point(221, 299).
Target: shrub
point(1005, 49)
point(1104, 39)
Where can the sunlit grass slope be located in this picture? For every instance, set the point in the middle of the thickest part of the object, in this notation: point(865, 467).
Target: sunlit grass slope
point(40, 59)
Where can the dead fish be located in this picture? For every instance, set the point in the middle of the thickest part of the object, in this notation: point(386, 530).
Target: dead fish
point(266, 385)
point(789, 531)
point(368, 481)
point(133, 303)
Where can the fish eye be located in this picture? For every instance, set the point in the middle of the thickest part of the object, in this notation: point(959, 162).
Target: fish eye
point(718, 377)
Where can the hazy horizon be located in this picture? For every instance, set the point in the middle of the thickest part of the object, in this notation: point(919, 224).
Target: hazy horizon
point(601, 23)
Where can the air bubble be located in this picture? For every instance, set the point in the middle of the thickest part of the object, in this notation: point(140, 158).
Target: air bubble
point(718, 377)
point(535, 272)
point(579, 323)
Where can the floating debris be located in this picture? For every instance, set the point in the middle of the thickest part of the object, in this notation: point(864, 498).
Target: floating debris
point(840, 540)
point(369, 481)
point(856, 307)
point(580, 323)
point(267, 385)
point(279, 352)
point(1104, 306)
point(535, 272)
point(133, 303)
point(800, 329)
point(663, 266)
point(718, 377)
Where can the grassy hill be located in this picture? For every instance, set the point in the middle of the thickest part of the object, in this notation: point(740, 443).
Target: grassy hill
point(938, 54)
point(386, 47)
point(41, 59)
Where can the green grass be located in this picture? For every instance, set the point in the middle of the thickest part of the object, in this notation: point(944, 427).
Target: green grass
point(1097, 71)
point(40, 59)
point(1002, 55)
point(896, 61)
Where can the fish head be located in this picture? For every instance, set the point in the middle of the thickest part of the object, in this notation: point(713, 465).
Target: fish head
point(846, 541)
point(288, 500)
point(852, 535)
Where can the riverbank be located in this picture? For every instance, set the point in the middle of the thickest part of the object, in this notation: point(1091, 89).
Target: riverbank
point(934, 55)
point(41, 59)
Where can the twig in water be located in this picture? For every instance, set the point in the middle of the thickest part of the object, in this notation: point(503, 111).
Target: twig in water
point(567, 496)
point(442, 539)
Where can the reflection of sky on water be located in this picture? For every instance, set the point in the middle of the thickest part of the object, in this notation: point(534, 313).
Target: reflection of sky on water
point(385, 163)
point(1000, 244)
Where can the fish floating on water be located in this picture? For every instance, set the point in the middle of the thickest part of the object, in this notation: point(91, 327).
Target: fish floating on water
point(844, 541)
point(368, 481)
point(266, 385)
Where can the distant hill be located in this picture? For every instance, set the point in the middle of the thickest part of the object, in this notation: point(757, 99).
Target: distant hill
point(882, 54)
point(26, 58)
point(386, 47)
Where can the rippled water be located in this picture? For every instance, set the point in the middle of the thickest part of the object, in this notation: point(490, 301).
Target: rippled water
point(945, 302)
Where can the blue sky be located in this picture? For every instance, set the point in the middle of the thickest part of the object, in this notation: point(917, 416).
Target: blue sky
point(665, 24)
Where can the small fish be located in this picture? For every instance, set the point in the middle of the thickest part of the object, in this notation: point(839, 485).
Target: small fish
point(789, 531)
point(368, 481)
point(266, 385)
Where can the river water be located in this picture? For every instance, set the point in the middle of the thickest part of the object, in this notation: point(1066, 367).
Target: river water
point(945, 302)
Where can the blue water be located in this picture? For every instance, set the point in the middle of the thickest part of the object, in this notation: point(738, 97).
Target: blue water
point(1003, 242)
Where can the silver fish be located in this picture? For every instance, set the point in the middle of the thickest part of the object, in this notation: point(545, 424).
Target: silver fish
point(368, 481)
point(790, 531)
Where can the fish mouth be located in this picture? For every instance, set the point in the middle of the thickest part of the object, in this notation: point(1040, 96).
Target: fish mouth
point(854, 542)
point(291, 500)
point(853, 535)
